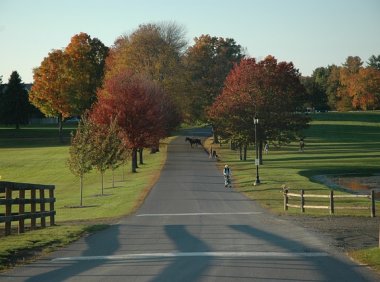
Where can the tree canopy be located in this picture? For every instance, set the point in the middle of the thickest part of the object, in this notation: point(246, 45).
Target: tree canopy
point(153, 50)
point(65, 83)
point(208, 63)
point(14, 105)
point(268, 90)
point(137, 104)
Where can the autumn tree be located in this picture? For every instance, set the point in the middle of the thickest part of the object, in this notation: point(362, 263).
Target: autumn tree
point(207, 63)
point(268, 90)
point(80, 152)
point(154, 50)
point(65, 83)
point(14, 104)
point(136, 103)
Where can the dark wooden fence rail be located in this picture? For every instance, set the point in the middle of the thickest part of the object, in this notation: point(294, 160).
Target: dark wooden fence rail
point(28, 208)
point(331, 207)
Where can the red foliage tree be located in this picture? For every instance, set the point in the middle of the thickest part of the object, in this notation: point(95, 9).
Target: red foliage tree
point(136, 104)
point(269, 90)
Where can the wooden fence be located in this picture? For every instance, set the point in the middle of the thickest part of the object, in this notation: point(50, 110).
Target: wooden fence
point(13, 195)
point(331, 207)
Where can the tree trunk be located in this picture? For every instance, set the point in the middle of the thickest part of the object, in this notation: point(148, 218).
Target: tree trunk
point(113, 178)
point(261, 152)
point(214, 136)
point(141, 155)
point(102, 173)
point(134, 159)
point(241, 152)
point(81, 190)
point(60, 126)
point(245, 152)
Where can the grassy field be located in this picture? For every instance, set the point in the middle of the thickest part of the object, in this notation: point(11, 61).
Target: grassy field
point(35, 155)
point(336, 143)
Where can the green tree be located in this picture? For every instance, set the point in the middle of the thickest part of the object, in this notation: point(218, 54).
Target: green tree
point(332, 86)
point(108, 149)
point(14, 105)
point(208, 63)
point(80, 151)
point(374, 62)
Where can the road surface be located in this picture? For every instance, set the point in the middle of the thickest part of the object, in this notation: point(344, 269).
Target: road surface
point(191, 228)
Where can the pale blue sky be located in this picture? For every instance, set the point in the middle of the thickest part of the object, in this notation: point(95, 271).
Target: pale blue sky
point(310, 33)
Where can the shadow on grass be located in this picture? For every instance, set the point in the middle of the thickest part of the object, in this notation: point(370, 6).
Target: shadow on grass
point(81, 207)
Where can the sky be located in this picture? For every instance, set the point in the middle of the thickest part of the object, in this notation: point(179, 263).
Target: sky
point(309, 33)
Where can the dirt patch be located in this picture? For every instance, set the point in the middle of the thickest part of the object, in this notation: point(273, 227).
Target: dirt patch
point(345, 233)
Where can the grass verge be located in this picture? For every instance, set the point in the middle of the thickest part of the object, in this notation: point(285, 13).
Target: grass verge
point(369, 257)
point(35, 155)
point(336, 144)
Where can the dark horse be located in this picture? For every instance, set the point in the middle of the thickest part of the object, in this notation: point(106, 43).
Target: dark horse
point(192, 141)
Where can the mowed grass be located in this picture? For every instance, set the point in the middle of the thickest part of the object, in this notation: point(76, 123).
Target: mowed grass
point(336, 143)
point(35, 155)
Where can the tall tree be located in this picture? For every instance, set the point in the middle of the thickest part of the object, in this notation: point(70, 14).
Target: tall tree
point(348, 76)
point(80, 151)
point(153, 50)
point(14, 105)
point(65, 83)
point(267, 90)
point(374, 62)
point(135, 102)
point(208, 63)
point(332, 86)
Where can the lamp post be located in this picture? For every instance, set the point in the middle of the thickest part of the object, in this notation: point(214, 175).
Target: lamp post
point(257, 161)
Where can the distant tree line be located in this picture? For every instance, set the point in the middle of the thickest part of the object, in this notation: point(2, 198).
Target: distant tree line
point(351, 86)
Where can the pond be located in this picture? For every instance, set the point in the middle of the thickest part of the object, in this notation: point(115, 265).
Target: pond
point(361, 184)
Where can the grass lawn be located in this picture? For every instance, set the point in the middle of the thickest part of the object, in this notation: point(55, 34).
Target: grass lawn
point(336, 143)
point(370, 257)
point(34, 155)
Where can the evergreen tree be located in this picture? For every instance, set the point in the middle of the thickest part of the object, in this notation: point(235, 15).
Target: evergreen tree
point(14, 103)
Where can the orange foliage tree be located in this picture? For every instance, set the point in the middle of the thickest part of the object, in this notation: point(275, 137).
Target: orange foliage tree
point(65, 83)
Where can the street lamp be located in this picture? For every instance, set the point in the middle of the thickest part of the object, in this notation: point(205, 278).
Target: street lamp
point(257, 161)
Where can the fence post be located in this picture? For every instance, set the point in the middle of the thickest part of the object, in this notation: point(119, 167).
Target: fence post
point(286, 199)
point(373, 204)
point(302, 201)
point(331, 202)
point(33, 208)
point(8, 210)
point(42, 207)
point(21, 211)
point(51, 196)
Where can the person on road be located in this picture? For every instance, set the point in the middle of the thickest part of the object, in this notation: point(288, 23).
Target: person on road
point(227, 176)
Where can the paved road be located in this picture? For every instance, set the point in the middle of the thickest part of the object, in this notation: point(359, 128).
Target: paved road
point(191, 228)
